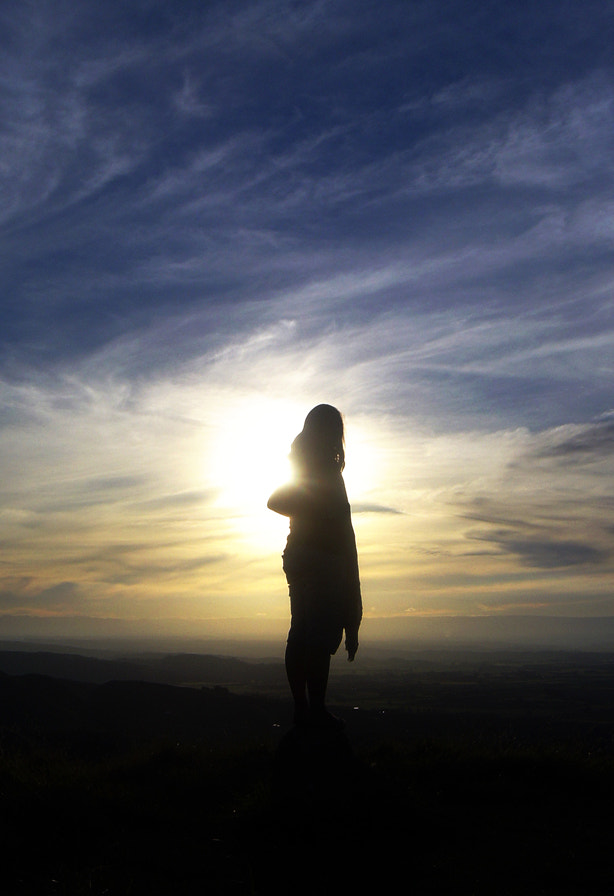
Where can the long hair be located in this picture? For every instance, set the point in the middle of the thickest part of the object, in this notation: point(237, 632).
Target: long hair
point(320, 447)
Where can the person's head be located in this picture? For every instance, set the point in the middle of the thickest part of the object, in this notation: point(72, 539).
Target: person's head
point(321, 443)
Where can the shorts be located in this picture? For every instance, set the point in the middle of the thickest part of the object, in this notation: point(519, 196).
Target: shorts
point(317, 586)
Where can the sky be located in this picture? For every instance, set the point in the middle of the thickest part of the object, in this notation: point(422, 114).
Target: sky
point(214, 216)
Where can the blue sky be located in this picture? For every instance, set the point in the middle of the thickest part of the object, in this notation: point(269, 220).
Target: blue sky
point(216, 215)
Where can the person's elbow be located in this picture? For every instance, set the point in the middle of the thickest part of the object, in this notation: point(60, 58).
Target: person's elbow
point(277, 505)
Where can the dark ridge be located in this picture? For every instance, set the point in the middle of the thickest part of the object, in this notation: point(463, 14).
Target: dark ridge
point(122, 711)
point(170, 669)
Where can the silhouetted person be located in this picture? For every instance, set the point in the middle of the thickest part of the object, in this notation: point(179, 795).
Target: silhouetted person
point(320, 563)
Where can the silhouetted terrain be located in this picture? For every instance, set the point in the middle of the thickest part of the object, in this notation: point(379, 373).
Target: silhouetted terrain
point(462, 773)
point(164, 669)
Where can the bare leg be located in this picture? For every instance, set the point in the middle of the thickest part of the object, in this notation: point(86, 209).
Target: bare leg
point(296, 670)
point(318, 666)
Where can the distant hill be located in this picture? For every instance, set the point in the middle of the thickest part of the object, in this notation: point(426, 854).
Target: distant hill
point(172, 669)
point(121, 711)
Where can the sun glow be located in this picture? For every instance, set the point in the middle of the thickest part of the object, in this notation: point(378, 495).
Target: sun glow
point(361, 468)
point(249, 459)
point(250, 455)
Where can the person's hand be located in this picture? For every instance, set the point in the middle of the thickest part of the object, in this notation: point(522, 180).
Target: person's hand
point(351, 648)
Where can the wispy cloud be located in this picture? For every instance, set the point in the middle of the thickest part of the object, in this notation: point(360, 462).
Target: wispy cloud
point(552, 509)
point(226, 213)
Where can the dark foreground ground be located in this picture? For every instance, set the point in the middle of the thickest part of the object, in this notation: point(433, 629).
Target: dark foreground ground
point(456, 776)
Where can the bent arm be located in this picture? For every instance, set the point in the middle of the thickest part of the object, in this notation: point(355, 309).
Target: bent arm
point(288, 500)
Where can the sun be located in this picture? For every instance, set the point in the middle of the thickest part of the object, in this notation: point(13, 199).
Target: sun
point(249, 458)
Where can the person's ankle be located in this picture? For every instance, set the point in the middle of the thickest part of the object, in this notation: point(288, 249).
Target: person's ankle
point(301, 714)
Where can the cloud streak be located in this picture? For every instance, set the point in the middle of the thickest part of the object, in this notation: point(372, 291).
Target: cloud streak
point(215, 216)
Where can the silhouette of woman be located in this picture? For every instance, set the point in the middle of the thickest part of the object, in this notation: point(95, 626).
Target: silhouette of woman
point(320, 563)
